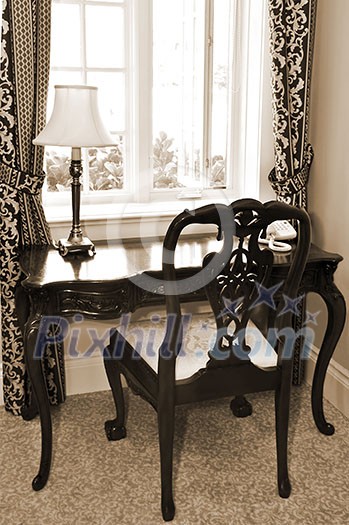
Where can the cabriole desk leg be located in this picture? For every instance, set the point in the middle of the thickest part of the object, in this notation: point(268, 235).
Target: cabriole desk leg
point(30, 410)
point(36, 376)
point(336, 309)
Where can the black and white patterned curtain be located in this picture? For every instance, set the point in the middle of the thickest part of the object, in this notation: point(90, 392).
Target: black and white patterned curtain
point(292, 26)
point(24, 74)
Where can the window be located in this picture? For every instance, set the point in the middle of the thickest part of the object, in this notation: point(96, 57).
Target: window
point(88, 46)
point(179, 88)
point(192, 79)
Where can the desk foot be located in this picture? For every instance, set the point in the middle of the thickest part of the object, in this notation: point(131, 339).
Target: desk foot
point(29, 412)
point(336, 310)
point(328, 429)
point(241, 407)
point(39, 392)
point(39, 482)
point(325, 428)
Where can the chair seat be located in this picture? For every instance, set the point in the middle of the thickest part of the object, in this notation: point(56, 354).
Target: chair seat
point(199, 336)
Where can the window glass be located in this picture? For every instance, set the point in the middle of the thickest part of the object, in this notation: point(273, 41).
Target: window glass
point(178, 92)
point(106, 167)
point(57, 162)
point(104, 36)
point(222, 40)
point(65, 35)
point(88, 47)
point(111, 97)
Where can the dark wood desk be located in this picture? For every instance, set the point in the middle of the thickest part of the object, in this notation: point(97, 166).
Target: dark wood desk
point(123, 277)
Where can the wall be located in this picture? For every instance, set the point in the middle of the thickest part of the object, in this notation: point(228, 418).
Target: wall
point(329, 135)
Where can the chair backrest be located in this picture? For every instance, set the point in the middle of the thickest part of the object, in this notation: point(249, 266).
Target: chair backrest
point(237, 277)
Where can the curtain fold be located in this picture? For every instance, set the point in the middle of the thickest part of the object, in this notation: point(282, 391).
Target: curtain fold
point(24, 75)
point(292, 28)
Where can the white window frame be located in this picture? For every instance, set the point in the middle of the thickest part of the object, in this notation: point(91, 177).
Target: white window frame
point(56, 202)
point(140, 202)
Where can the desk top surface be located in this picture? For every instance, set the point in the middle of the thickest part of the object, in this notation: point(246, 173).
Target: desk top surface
point(115, 260)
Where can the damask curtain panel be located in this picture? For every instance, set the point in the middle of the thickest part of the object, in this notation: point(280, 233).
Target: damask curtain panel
point(292, 27)
point(24, 74)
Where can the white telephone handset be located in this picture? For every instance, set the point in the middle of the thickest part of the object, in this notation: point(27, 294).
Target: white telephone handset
point(279, 231)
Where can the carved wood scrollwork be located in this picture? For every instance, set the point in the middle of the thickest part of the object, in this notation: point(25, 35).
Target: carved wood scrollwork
point(95, 304)
point(233, 292)
point(38, 305)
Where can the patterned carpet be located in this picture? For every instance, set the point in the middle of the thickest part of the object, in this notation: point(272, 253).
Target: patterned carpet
point(225, 468)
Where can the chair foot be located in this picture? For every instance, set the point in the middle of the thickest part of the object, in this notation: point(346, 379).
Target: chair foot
point(284, 488)
point(168, 510)
point(113, 432)
point(241, 407)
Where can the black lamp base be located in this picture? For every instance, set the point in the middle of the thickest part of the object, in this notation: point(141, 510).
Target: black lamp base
point(76, 242)
point(83, 245)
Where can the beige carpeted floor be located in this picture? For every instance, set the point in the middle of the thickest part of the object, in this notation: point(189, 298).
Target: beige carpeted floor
point(225, 468)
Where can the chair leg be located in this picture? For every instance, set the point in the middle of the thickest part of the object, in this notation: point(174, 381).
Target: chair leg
point(115, 428)
point(166, 433)
point(282, 409)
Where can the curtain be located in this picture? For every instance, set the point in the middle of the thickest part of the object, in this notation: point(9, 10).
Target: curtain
point(24, 74)
point(292, 27)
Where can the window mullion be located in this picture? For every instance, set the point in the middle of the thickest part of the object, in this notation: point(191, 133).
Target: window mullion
point(84, 79)
point(234, 102)
point(143, 132)
point(208, 92)
point(128, 140)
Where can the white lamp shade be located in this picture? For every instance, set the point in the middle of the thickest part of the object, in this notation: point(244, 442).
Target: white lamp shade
point(75, 120)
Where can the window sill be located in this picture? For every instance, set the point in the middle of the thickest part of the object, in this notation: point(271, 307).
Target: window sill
point(126, 220)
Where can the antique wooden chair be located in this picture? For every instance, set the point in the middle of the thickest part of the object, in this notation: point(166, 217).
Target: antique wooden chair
point(236, 279)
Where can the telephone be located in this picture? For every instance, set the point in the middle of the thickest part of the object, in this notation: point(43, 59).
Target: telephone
point(279, 231)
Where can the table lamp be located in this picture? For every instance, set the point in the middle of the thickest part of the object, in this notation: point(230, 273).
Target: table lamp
point(75, 122)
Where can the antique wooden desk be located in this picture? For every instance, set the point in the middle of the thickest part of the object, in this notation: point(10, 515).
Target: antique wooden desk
point(122, 277)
